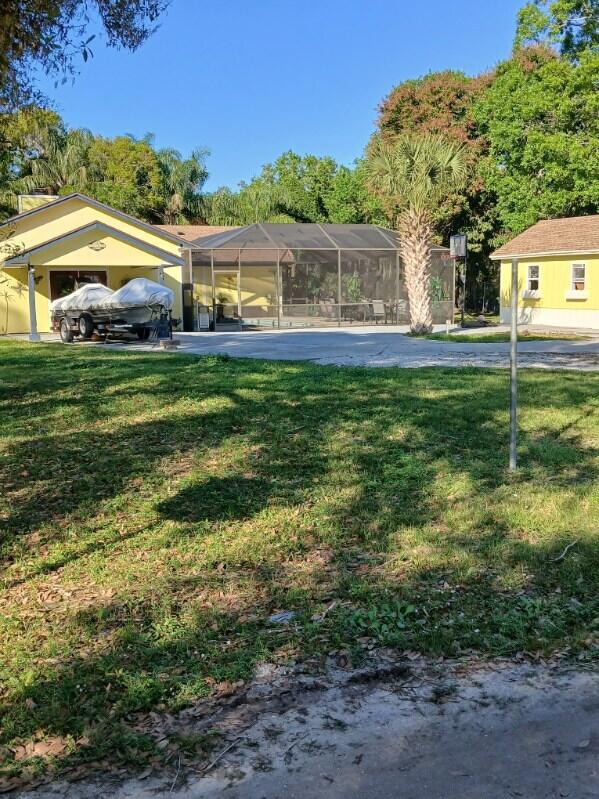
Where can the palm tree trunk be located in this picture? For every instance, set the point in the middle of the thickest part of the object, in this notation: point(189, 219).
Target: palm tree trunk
point(415, 231)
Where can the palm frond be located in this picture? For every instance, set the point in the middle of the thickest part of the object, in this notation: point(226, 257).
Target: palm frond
point(414, 171)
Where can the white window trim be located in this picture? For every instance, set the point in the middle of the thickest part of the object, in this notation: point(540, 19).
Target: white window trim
point(578, 294)
point(528, 293)
point(572, 281)
point(529, 278)
point(574, 293)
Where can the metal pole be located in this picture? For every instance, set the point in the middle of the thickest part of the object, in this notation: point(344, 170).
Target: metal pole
point(464, 287)
point(33, 334)
point(397, 287)
point(239, 289)
point(514, 367)
point(212, 286)
point(339, 288)
point(279, 289)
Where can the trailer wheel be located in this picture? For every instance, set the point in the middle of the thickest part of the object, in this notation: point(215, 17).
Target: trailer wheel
point(66, 334)
point(86, 325)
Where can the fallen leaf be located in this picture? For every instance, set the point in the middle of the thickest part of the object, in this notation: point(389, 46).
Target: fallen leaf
point(583, 744)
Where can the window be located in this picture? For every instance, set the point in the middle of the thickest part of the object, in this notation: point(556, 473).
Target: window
point(533, 277)
point(578, 277)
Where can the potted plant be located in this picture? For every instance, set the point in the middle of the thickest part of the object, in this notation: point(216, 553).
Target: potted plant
point(222, 299)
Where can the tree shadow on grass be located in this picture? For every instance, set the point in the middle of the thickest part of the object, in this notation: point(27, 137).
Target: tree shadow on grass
point(220, 499)
point(293, 422)
point(358, 462)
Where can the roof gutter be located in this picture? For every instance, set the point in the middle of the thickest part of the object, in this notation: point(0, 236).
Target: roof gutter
point(509, 256)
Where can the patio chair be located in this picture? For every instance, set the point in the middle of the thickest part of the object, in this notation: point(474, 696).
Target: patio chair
point(378, 311)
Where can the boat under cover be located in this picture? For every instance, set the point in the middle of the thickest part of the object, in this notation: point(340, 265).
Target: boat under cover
point(86, 298)
point(136, 302)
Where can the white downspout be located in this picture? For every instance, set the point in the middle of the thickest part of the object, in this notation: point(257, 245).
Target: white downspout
point(33, 334)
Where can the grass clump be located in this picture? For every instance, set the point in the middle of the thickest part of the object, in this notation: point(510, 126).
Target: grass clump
point(500, 337)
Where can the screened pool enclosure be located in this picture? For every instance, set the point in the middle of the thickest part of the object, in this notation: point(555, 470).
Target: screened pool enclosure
point(306, 275)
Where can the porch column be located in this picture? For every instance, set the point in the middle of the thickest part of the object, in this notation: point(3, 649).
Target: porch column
point(187, 291)
point(33, 334)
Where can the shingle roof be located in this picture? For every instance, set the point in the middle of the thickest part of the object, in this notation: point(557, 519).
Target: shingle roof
point(193, 232)
point(576, 235)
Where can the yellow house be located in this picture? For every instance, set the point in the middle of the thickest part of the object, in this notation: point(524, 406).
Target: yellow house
point(258, 276)
point(558, 273)
point(49, 249)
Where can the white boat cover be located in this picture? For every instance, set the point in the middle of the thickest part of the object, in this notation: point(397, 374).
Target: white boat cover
point(85, 298)
point(139, 293)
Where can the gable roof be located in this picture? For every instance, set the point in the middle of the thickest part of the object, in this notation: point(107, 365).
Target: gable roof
point(302, 235)
point(156, 229)
point(576, 235)
point(100, 227)
point(193, 232)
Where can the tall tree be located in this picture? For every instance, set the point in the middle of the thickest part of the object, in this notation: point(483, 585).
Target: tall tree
point(347, 200)
point(298, 188)
point(541, 120)
point(411, 175)
point(126, 174)
point(61, 163)
point(182, 181)
point(21, 141)
point(304, 181)
point(50, 34)
point(570, 25)
point(442, 103)
point(254, 202)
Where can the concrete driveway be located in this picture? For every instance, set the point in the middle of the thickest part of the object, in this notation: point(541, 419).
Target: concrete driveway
point(388, 347)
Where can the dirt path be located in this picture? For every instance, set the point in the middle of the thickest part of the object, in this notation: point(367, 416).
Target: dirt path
point(413, 731)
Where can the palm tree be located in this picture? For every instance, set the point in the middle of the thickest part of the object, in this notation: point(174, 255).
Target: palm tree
point(257, 201)
point(182, 182)
point(61, 162)
point(410, 174)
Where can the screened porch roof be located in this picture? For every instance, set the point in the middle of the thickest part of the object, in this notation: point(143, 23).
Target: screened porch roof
point(301, 236)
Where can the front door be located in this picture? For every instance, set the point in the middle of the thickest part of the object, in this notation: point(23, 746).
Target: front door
point(227, 307)
point(63, 282)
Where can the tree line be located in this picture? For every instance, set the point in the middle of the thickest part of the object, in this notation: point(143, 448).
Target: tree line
point(527, 132)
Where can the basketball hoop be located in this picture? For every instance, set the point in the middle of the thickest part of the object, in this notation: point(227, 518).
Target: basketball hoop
point(457, 246)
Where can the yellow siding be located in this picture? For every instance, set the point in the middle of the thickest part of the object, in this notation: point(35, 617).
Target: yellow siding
point(29, 201)
point(14, 302)
point(119, 275)
point(258, 285)
point(554, 282)
point(555, 277)
point(119, 258)
point(57, 220)
point(172, 279)
point(68, 254)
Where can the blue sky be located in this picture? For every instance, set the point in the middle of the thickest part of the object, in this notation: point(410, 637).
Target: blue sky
point(249, 80)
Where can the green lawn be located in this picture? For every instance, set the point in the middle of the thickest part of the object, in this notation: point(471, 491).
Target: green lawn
point(493, 338)
point(156, 509)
